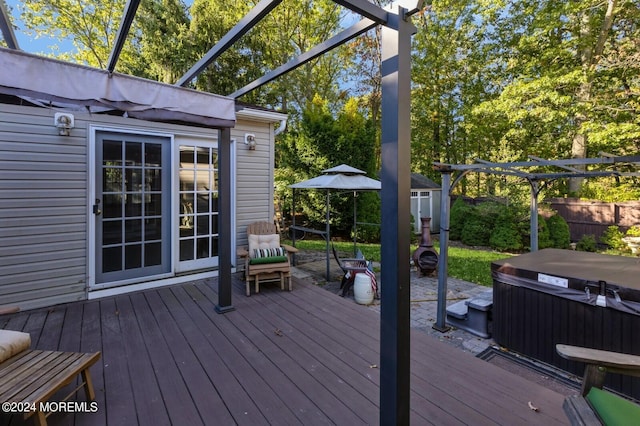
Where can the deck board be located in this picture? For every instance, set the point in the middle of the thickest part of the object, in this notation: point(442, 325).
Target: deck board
point(306, 357)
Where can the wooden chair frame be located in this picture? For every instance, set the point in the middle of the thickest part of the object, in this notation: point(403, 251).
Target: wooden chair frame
point(280, 271)
point(598, 364)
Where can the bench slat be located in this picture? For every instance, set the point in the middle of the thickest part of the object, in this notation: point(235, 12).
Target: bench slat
point(58, 373)
point(34, 376)
point(17, 369)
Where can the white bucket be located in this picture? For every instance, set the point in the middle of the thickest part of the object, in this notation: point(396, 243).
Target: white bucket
point(362, 291)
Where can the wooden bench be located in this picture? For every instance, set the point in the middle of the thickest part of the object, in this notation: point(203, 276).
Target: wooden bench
point(595, 406)
point(31, 377)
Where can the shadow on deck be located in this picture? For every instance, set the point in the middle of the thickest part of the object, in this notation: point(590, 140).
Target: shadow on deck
point(302, 357)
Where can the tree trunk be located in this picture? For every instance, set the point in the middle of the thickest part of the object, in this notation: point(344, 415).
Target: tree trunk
point(590, 56)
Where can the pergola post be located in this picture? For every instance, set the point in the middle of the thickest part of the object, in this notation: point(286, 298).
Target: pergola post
point(395, 176)
point(534, 215)
point(443, 262)
point(224, 217)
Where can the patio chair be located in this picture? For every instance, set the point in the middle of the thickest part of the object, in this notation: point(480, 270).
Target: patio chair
point(595, 406)
point(265, 259)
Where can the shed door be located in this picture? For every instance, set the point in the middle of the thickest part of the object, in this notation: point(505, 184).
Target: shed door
point(132, 206)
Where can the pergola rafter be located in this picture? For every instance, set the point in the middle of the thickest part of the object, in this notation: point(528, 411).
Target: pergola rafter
point(537, 181)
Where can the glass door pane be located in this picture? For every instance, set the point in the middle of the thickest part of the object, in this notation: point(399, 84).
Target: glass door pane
point(198, 195)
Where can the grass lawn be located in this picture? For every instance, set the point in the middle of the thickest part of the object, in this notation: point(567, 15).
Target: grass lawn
point(464, 263)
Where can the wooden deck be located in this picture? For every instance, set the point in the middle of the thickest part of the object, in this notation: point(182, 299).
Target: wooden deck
point(303, 357)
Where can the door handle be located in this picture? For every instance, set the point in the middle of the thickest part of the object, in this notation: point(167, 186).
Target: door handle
point(96, 208)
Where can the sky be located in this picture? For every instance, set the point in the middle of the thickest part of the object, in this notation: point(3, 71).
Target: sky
point(29, 43)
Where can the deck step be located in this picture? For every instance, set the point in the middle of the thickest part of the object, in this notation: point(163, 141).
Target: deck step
point(472, 315)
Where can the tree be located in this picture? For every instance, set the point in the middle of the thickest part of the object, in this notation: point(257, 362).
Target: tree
point(451, 75)
point(289, 30)
point(571, 73)
point(91, 25)
point(167, 38)
point(321, 141)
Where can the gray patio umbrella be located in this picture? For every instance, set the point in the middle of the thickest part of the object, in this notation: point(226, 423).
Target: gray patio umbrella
point(339, 178)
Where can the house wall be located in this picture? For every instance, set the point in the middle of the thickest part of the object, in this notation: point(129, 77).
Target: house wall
point(255, 180)
point(44, 206)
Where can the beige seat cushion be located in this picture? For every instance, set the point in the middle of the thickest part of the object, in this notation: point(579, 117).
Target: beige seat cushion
point(12, 343)
point(266, 241)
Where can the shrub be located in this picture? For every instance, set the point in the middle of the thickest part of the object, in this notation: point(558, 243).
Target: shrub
point(479, 223)
point(544, 237)
point(612, 237)
point(459, 212)
point(506, 234)
point(634, 231)
point(505, 237)
point(587, 243)
point(559, 232)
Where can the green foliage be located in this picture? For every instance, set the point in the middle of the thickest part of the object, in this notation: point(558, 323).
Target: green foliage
point(587, 243)
point(472, 265)
point(544, 236)
point(612, 237)
point(459, 212)
point(322, 141)
point(479, 224)
point(506, 235)
point(475, 231)
point(464, 263)
point(554, 79)
point(612, 189)
point(633, 231)
point(559, 233)
point(90, 24)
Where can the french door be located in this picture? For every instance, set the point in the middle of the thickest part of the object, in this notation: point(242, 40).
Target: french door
point(132, 208)
point(198, 198)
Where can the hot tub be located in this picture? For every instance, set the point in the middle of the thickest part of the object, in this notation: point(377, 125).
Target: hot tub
point(556, 296)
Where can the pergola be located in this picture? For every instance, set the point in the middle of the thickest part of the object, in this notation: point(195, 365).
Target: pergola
point(396, 32)
point(546, 171)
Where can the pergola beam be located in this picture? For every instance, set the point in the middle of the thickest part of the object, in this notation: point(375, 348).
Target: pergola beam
point(7, 28)
point(366, 9)
point(355, 30)
point(557, 163)
point(250, 20)
point(121, 36)
point(545, 162)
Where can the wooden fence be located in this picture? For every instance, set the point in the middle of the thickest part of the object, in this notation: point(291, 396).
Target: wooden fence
point(594, 217)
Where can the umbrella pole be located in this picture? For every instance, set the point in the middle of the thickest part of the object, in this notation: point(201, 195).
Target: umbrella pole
point(292, 232)
point(355, 223)
point(327, 236)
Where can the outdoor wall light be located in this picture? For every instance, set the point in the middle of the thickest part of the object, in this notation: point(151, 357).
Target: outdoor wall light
point(64, 122)
point(250, 141)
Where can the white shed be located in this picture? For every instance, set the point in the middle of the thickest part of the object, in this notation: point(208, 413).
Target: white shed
point(425, 201)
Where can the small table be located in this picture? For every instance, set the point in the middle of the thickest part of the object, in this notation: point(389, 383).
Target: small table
point(32, 377)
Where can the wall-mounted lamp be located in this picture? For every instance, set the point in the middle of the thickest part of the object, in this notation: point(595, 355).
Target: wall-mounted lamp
point(250, 141)
point(64, 122)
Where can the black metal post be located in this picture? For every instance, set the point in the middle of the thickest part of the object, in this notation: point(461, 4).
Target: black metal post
point(224, 217)
point(395, 176)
